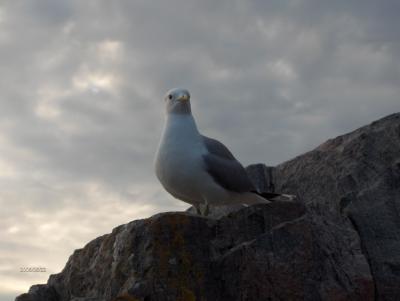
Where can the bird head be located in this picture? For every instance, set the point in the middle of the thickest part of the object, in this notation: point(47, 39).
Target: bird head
point(178, 101)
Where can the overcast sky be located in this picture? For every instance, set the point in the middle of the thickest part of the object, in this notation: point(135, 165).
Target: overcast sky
point(81, 88)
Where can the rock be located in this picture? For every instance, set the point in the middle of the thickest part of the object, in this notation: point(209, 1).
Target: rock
point(262, 177)
point(263, 252)
point(355, 179)
point(40, 292)
point(338, 241)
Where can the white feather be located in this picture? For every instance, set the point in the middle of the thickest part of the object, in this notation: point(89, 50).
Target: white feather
point(179, 158)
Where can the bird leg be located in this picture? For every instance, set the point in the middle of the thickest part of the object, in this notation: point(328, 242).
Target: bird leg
point(205, 207)
point(206, 210)
point(202, 209)
point(198, 211)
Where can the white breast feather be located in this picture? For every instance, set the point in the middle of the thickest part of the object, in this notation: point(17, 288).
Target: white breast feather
point(179, 159)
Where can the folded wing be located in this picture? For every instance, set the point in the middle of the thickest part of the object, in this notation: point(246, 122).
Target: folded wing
point(224, 168)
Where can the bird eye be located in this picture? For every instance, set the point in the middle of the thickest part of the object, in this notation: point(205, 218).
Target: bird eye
point(170, 96)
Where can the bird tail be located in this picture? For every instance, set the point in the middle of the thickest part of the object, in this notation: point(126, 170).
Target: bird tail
point(271, 196)
point(250, 198)
point(254, 197)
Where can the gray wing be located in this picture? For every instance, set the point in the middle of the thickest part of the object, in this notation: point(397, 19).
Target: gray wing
point(217, 148)
point(224, 168)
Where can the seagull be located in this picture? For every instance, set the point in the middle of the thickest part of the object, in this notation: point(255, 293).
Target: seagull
point(197, 169)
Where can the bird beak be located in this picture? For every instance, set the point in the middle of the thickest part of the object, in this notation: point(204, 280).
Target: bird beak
point(184, 97)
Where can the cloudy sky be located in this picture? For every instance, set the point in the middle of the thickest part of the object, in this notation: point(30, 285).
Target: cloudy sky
point(81, 88)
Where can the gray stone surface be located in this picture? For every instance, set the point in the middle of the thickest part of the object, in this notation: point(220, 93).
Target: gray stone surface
point(40, 292)
point(264, 252)
point(339, 240)
point(357, 177)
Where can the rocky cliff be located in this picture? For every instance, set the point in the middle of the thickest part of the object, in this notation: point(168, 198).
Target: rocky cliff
point(340, 240)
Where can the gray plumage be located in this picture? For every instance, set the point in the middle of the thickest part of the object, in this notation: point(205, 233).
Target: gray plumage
point(224, 168)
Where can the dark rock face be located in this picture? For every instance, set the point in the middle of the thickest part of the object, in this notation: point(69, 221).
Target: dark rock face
point(364, 169)
point(339, 241)
point(39, 292)
point(353, 181)
point(263, 252)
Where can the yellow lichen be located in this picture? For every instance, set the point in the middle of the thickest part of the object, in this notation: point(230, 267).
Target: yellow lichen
point(187, 295)
point(179, 277)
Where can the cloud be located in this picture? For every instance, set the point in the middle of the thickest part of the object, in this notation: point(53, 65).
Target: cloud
point(81, 101)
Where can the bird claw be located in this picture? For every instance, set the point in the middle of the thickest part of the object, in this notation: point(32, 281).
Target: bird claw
point(203, 209)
